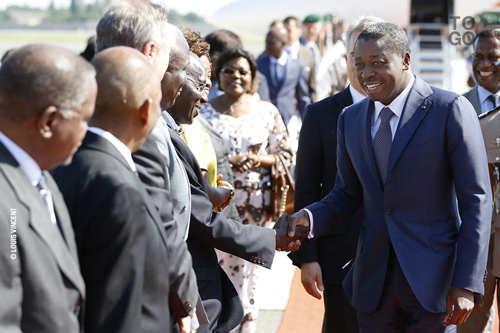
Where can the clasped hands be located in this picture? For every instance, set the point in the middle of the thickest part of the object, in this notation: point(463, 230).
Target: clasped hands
point(291, 231)
point(242, 163)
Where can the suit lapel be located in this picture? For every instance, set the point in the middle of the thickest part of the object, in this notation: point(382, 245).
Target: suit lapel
point(414, 111)
point(365, 124)
point(93, 141)
point(40, 220)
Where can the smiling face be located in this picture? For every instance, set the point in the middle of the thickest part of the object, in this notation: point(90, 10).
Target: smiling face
point(175, 76)
point(193, 94)
point(381, 72)
point(236, 77)
point(486, 55)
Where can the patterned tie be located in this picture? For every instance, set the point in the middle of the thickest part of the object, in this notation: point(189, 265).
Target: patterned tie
point(182, 133)
point(46, 196)
point(382, 143)
point(494, 99)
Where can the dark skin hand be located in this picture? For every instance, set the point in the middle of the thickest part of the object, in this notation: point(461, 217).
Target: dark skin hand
point(283, 240)
point(463, 302)
point(461, 299)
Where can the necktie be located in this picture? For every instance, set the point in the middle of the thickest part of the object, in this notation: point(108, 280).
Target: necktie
point(182, 133)
point(382, 143)
point(46, 196)
point(494, 99)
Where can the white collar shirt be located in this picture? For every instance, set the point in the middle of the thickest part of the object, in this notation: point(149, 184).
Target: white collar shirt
point(120, 146)
point(486, 104)
point(356, 95)
point(26, 162)
point(396, 106)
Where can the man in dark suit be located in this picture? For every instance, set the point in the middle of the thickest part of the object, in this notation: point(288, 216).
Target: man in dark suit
point(119, 234)
point(132, 15)
point(211, 230)
point(323, 261)
point(40, 282)
point(412, 156)
point(298, 51)
point(286, 77)
point(485, 95)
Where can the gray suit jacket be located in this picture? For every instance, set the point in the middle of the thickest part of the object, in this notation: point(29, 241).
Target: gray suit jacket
point(473, 97)
point(40, 283)
point(307, 57)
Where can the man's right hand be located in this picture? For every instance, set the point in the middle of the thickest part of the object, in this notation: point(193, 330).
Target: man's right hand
point(299, 218)
point(312, 278)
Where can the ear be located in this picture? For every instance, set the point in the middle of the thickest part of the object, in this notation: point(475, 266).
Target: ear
point(47, 121)
point(144, 111)
point(406, 61)
point(150, 50)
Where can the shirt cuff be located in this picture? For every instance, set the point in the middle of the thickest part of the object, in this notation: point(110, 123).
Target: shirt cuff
point(310, 235)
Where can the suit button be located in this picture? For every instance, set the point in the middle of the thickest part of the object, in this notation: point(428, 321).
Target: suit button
point(263, 261)
point(388, 211)
point(259, 261)
point(188, 306)
point(76, 311)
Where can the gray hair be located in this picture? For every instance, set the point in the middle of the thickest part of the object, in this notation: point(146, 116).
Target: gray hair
point(391, 35)
point(132, 23)
point(358, 25)
point(35, 77)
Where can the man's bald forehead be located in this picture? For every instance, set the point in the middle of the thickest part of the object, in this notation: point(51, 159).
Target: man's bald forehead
point(49, 75)
point(179, 52)
point(123, 77)
point(280, 33)
point(196, 66)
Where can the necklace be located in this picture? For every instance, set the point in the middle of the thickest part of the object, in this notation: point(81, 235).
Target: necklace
point(230, 107)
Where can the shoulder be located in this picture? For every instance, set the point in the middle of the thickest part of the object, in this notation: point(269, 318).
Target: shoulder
point(471, 92)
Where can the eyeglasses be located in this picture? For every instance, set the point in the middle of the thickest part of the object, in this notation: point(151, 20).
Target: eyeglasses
point(199, 87)
point(230, 71)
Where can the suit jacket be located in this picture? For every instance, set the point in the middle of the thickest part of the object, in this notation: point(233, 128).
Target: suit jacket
point(473, 97)
point(316, 171)
point(40, 282)
point(120, 240)
point(307, 57)
point(434, 208)
point(293, 88)
point(222, 152)
point(211, 230)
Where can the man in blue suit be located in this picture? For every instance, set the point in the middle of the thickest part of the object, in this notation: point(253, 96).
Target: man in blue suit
point(286, 79)
point(412, 156)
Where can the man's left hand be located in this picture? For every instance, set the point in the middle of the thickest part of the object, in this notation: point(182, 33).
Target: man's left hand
point(459, 305)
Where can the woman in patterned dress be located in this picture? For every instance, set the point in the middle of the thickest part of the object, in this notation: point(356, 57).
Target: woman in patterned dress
point(253, 130)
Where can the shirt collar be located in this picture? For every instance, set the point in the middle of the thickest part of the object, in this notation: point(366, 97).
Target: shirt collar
point(122, 148)
point(356, 95)
point(397, 105)
point(26, 162)
point(282, 60)
point(293, 50)
point(171, 121)
point(483, 94)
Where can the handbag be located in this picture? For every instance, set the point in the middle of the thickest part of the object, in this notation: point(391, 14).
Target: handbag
point(283, 188)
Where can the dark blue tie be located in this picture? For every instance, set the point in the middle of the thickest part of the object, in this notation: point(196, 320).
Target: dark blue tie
point(382, 143)
point(494, 99)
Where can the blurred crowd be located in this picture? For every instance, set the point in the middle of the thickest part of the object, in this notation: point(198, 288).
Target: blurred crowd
point(139, 179)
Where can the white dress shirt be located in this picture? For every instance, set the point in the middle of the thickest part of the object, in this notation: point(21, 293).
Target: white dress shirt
point(486, 104)
point(120, 146)
point(356, 95)
point(293, 50)
point(273, 62)
point(26, 162)
point(397, 106)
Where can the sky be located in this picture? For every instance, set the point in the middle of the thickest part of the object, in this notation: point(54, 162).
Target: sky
point(200, 7)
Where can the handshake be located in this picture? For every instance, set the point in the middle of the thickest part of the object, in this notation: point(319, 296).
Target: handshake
point(291, 231)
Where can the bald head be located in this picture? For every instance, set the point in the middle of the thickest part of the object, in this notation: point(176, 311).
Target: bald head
point(175, 77)
point(124, 81)
point(275, 41)
point(128, 100)
point(48, 75)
